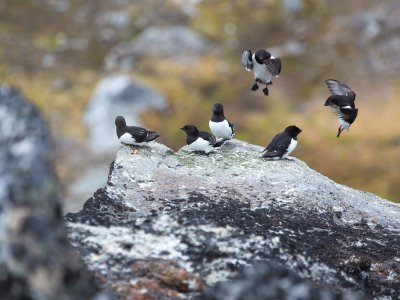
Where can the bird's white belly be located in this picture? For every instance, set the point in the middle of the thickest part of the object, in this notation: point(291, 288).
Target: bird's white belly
point(126, 138)
point(201, 145)
point(292, 146)
point(220, 129)
point(344, 124)
point(261, 73)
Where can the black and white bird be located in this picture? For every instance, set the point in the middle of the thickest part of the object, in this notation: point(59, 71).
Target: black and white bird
point(133, 135)
point(200, 140)
point(220, 127)
point(264, 66)
point(342, 103)
point(282, 144)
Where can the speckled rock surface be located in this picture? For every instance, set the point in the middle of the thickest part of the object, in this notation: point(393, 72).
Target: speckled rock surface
point(210, 216)
point(36, 258)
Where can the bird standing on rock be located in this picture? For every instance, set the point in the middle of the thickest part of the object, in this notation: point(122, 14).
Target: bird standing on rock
point(342, 103)
point(265, 66)
point(220, 127)
point(200, 140)
point(282, 144)
point(133, 135)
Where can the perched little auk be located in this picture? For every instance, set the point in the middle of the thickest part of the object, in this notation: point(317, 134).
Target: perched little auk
point(265, 66)
point(342, 103)
point(220, 127)
point(133, 135)
point(200, 140)
point(282, 144)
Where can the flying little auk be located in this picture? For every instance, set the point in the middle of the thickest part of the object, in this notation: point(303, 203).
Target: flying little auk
point(220, 127)
point(282, 144)
point(200, 140)
point(265, 66)
point(342, 103)
point(133, 135)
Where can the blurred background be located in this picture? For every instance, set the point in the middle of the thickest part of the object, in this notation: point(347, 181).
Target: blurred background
point(164, 63)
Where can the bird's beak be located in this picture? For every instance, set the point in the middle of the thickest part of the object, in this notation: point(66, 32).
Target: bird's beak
point(182, 128)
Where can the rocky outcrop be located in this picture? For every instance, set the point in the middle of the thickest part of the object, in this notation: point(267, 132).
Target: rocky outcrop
point(167, 224)
point(36, 258)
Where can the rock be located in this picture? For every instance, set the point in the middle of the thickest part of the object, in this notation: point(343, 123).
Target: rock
point(271, 281)
point(178, 42)
point(117, 95)
point(213, 215)
point(36, 258)
point(377, 41)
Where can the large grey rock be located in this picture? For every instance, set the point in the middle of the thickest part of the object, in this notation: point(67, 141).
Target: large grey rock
point(177, 42)
point(36, 258)
point(117, 95)
point(373, 34)
point(201, 219)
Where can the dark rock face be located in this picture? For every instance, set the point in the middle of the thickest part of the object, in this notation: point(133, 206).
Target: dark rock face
point(271, 281)
point(36, 259)
point(211, 216)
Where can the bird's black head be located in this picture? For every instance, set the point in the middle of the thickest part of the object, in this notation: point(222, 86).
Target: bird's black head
point(120, 122)
point(293, 130)
point(218, 109)
point(190, 129)
point(262, 56)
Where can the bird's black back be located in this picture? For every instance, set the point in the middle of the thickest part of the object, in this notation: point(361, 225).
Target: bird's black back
point(138, 133)
point(340, 101)
point(279, 145)
point(207, 136)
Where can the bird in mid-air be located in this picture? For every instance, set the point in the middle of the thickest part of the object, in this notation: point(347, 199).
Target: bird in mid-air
point(133, 135)
point(282, 144)
point(200, 140)
point(220, 127)
point(342, 103)
point(264, 66)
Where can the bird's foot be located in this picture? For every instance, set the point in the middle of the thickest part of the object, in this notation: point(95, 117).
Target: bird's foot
point(269, 83)
point(288, 159)
point(266, 92)
point(133, 150)
point(339, 131)
point(254, 87)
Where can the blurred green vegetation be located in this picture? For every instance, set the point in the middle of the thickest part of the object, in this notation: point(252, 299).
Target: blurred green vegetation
point(367, 157)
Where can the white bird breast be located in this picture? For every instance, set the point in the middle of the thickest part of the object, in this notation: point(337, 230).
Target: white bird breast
point(201, 145)
point(292, 146)
point(344, 124)
point(261, 72)
point(126, 138)
point(220, 129)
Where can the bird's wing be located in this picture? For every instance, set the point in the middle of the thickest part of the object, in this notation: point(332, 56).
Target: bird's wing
point(338, 101)
point(232, 126)
point(208, 137)
point(339, 88)
point(247, 61)
point(151, 136)
point(274, 66)
point(278, 145)
point(138, 133)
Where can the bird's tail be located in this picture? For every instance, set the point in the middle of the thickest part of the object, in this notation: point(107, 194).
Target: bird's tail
point(328, 102)
point(271, 154)
point(152, 136)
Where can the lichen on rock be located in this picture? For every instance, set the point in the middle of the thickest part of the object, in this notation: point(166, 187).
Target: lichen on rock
point(214, 214)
